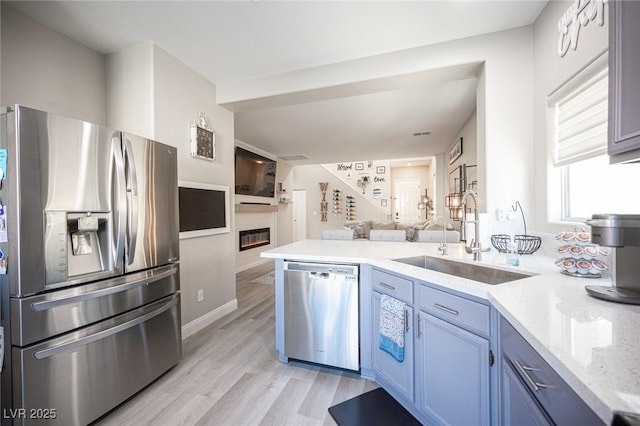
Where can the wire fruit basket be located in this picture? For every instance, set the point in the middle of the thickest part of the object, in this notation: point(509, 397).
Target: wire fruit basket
point(525, 244)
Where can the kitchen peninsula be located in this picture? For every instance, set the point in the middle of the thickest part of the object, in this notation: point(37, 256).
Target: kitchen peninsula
point(591, 344)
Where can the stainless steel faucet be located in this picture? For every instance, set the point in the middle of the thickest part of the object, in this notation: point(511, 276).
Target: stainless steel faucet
point(475, 247)
point(443, 245)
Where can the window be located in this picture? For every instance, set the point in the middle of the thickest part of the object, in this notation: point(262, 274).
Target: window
point(594, 186)
point(588, 183)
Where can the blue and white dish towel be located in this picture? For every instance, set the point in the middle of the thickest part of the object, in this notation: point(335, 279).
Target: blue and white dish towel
point(392, 327)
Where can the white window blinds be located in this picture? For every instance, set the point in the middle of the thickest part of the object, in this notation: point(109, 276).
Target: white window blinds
point(581, 120)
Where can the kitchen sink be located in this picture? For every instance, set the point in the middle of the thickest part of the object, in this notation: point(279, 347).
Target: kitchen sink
point(483, 274)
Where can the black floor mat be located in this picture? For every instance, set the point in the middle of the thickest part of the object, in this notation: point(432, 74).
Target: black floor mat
point(374, 408)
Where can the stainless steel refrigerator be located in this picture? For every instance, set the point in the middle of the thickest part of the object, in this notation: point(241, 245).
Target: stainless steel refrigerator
point(88, 266)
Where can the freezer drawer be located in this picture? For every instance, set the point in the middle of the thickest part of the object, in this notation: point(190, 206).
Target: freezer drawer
point(321, 314)
point(44, 316)
point(83, 375)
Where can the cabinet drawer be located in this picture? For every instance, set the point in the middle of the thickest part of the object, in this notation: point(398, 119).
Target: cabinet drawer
point(470, 314)
point(400, 288)
point(558, 400)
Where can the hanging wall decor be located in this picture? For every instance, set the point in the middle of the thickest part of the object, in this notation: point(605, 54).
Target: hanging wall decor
point(578, 15)
point(203, 139)
point(337, 199)
point(350, 209)
point(455, 151)
point(363, 182)
point(323, 204)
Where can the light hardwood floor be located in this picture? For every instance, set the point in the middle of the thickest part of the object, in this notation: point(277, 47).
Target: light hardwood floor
point(230, 375)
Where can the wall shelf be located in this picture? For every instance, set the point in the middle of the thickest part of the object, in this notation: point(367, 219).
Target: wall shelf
point(256, 208)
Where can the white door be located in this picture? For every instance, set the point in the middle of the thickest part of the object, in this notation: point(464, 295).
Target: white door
point(407, 196)
point(299, 198)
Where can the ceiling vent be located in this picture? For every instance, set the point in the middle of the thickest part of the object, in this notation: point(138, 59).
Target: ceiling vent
point(296, 157)
point(425, 133)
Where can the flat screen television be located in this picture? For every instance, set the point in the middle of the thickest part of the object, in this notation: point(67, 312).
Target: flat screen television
point(204, 209)
point(255, 174)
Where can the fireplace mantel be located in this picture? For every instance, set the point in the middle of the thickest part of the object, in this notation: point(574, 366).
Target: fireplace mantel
point(256, 208)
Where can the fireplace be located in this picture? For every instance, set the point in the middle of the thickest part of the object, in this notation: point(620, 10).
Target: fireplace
point(253, 238)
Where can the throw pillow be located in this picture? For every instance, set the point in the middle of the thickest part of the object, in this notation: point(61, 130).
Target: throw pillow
point(412, 232)
point(360, 229)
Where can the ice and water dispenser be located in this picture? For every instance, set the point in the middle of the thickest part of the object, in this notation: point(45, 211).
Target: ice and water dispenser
point(78, 244)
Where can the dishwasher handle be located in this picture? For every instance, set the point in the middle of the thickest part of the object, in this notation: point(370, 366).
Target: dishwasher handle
point(339, 269)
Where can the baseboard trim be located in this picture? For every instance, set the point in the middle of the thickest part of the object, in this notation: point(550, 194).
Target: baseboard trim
point(209, 318)
point(251, 265)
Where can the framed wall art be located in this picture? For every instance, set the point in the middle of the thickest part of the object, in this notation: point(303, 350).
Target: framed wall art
point(455, 151)
point(204, 209)
point(203, 139)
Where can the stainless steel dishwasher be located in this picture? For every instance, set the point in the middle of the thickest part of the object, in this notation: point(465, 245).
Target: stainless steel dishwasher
point(321, 314)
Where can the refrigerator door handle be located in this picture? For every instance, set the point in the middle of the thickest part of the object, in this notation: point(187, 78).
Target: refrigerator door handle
point(49, 352)
point(43, 306)
point(120, 201)
point(132, 194)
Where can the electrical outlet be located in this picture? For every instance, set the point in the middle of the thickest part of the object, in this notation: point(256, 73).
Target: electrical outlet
point(200, 295)
point(504, 213)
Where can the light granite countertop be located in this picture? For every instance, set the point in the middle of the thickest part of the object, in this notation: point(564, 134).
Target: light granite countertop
point(592, 344)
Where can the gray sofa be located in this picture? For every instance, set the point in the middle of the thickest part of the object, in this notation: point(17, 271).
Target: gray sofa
point(423, 231)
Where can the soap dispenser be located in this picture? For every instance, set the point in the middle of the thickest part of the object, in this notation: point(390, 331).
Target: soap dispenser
point(513, 258)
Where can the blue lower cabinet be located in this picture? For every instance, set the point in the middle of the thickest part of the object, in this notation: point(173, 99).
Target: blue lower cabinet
point(445, 376)
point(518, 407)
point(532, 392)
point(395, 376)
point(452, 366)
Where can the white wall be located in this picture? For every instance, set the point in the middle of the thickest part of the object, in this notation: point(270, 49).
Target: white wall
point(551, 71)
point(46, 70)
point(469, 134)
point(130, 89)
point(206, 262)
point(284, 217)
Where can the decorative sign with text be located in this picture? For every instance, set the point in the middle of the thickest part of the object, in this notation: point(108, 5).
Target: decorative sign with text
point(579, 14)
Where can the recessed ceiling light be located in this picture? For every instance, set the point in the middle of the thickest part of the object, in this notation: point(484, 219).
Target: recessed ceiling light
point(423, 133)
